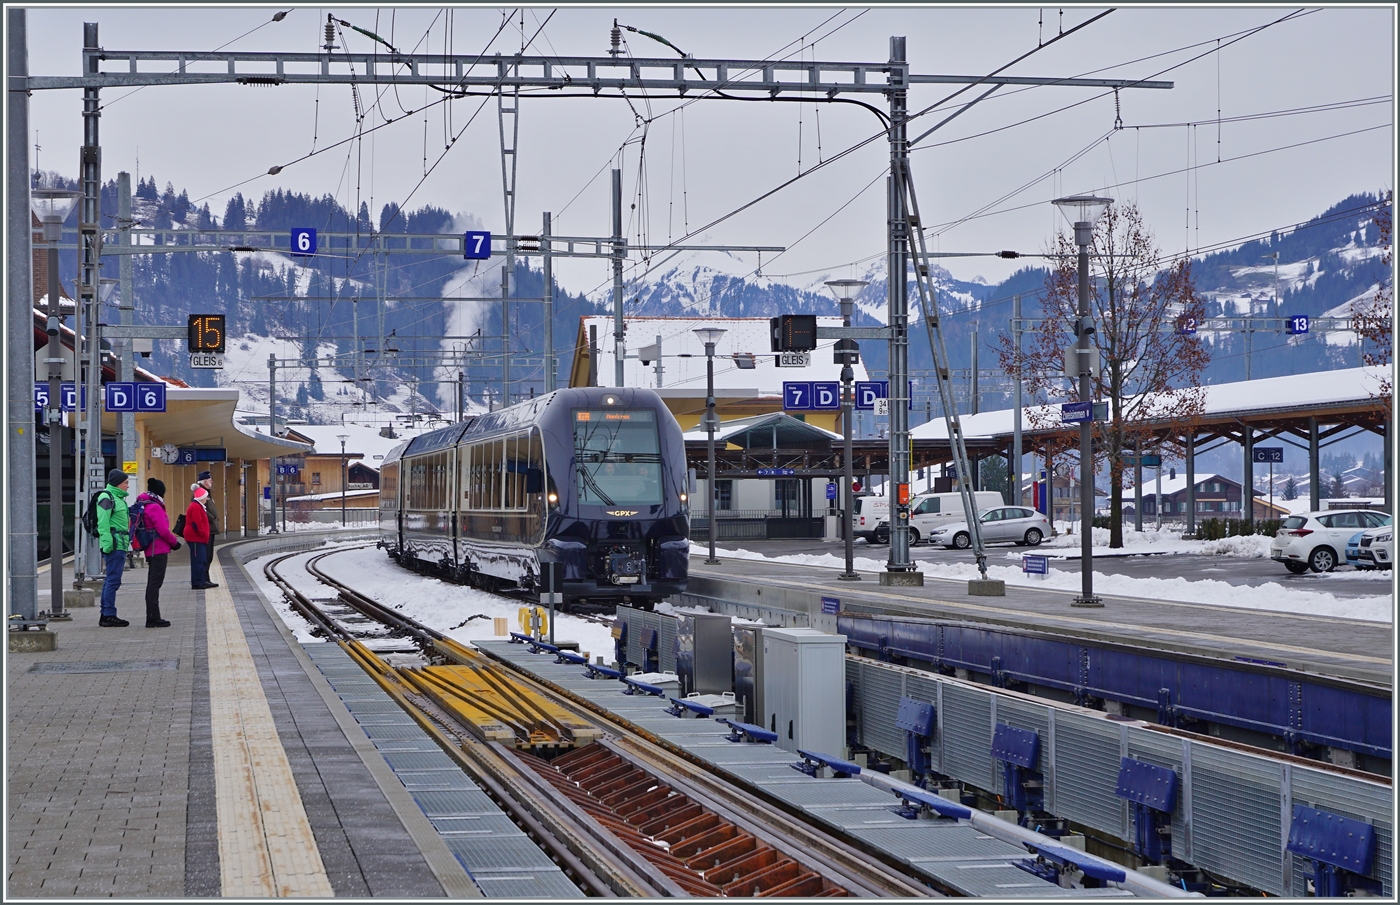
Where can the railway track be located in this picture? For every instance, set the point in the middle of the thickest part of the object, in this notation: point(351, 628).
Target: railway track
point(619, 812)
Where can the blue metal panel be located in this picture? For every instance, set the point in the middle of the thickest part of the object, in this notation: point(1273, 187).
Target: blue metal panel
point(915, 716)
point(1332, 839)
point(1016, 746)
point(1273, 700)
point(1147, 784)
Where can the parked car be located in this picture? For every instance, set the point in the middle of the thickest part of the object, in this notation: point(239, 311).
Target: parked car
point(928, 511)
point(1354, 553)
point(1003, 525)
point(1383, 549)
point(867, 514)
point(1317, 540)
point(1375, 548)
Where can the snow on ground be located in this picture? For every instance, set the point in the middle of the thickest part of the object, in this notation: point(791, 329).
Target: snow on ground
point(1271, 596)
point(439, 604)
point(1151, 540)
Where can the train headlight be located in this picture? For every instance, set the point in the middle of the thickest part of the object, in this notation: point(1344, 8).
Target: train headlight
point(684, 497)
point(553, 498)
point(609, 400)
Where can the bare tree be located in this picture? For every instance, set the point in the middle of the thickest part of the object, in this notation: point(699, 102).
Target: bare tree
point(1150, 373)
point(1373, 319)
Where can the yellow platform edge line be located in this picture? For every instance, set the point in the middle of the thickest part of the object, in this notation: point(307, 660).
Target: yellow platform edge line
point(266, 846)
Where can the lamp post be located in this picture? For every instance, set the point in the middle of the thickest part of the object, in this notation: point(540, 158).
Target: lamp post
point(847, 353)
point(342, 438)
point(1084, 211)
point(52, 207)
point(709, 336)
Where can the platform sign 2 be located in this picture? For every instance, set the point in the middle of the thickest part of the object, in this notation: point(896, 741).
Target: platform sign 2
point(797, 396)
point(1186, 326)
point(303, 241)
point(476, 246)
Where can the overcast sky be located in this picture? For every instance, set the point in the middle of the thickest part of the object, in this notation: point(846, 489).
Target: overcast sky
point(984, 181)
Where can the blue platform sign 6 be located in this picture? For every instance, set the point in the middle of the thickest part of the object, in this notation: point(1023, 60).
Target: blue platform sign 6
point(150, 397)
point(826, 397)
point(188, 456)
point(797, 396)
point(476, 246)
point(303, 241)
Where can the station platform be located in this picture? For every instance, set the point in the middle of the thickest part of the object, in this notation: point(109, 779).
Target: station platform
point(1324, 645)
point(210, 758)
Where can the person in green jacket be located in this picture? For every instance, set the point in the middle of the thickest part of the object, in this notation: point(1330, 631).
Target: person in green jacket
point(114, 534)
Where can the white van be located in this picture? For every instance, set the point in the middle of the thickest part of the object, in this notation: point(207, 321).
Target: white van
point(867, 513)
point(930, 510)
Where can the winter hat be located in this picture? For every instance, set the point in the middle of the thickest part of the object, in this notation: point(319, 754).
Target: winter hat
point(156, 486)
point(200, 493)
point(116, 477)
point(205, 476)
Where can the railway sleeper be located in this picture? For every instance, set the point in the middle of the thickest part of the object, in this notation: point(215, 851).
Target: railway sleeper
point(723, 853)
point(732, 871)
point(759, 882)
point(674, 817)
point(642, 803)
point(705, 841)
point(690, 829)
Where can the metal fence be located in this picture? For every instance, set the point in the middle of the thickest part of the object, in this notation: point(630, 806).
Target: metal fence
point(755, 524)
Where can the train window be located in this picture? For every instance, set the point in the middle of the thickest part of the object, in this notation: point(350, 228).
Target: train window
point(618, 457)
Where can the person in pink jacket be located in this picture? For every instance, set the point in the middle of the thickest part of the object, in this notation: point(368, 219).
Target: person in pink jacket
point(197, 533)
point(155, 520)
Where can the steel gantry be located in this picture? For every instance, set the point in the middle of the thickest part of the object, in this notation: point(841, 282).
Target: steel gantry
point(572, 76)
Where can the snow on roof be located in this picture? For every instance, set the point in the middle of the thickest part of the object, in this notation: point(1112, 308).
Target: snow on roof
point(742, 334)
point(361, 440)
point(349, 495)
point(735, 426)
point(1251, 397)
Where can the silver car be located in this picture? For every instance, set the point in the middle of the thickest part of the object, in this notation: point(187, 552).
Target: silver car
point(1003, 525)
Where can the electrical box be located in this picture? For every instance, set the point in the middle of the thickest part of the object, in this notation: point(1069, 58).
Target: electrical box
point(793, 332)
point(704, 653)
point(748, 672)
point(804, 689)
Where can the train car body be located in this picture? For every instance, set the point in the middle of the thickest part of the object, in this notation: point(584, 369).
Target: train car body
point(592, 480)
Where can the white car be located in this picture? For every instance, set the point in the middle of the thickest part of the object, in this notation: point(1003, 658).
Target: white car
point(867, 513)
point(1003, 525)
point(1378, 547)
point(1318, 540)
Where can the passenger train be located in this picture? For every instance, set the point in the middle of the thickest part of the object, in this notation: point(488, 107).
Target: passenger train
point(590, 479)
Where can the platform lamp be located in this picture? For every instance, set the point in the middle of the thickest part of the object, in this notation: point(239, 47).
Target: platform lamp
point(342, 438)
point(710, 336)
point(847, 354)
point(1083, 211)
point(52, 207)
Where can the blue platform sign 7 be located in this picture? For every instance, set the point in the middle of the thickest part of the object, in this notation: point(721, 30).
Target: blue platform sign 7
point(1297, 324)
point(303, 241)
point(797, 396)
point(476, 246)
point(826, 397)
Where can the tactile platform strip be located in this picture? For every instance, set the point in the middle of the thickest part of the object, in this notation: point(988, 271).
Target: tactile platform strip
point(455, 802)
point(475, 824)
point(827, 793)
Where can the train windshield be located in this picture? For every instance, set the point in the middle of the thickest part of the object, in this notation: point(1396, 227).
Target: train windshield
point(618, 456)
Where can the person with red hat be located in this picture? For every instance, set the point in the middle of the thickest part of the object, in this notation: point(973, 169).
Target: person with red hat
point(197, 533)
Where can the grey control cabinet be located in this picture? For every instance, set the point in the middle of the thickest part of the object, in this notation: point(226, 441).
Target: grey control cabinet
point(704, 653)
point(748, 672)
point(804, 689)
